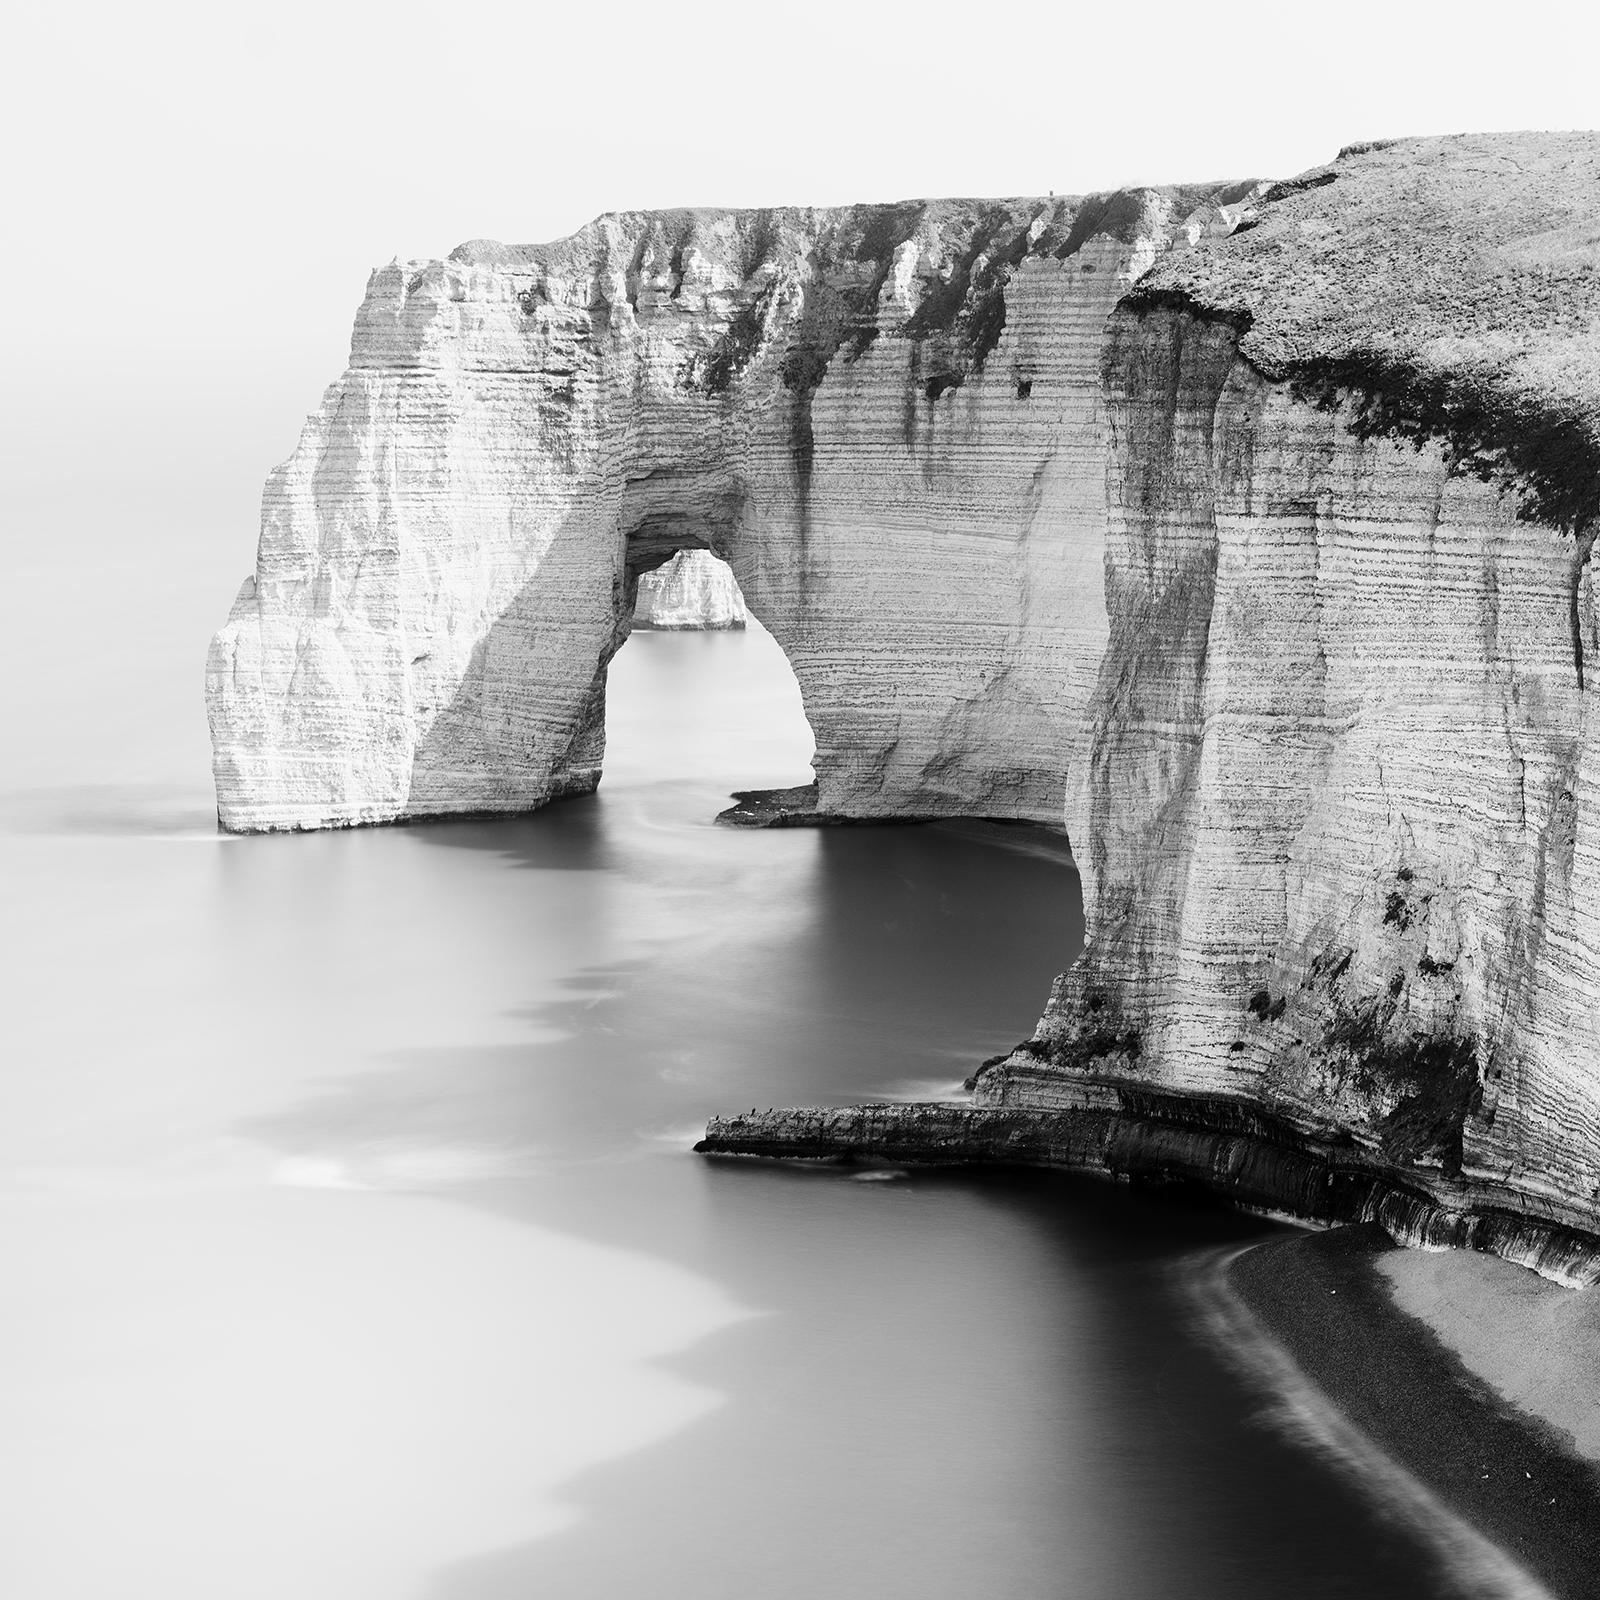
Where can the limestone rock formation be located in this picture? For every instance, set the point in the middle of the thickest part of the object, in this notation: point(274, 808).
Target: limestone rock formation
point(1246, 530)
point(1341, 861)
point(887, 419)
point(692, 591)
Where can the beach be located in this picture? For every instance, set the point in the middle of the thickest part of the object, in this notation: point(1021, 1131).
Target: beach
point(1460, 1388)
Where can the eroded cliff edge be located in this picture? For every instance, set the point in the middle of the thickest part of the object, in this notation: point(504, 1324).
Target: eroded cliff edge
point(1340, 863)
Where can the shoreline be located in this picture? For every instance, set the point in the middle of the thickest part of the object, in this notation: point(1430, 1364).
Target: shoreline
point(1508, 1503)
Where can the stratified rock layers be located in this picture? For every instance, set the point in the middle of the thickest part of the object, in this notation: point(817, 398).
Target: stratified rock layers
point(886, 419)
point(1261, 559)
point(1340, 861)
point(692, 591)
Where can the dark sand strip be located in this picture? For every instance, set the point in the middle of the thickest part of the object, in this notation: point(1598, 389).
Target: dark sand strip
point(1499, 1470)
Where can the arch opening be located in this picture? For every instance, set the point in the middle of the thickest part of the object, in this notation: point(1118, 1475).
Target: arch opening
point(706, 695)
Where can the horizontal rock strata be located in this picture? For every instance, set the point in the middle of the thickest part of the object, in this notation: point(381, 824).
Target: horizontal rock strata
point(693, 591)
point(1244, 529)
point(887, 419)
point(1339, 857)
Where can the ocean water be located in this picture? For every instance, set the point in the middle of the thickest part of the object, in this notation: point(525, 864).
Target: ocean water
point(353, 1249)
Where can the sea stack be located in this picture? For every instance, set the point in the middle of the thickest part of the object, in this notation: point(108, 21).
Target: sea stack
point(692, 592)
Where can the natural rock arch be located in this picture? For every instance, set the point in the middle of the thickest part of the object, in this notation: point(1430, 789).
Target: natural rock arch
point(1298, 676)
point(887, 419)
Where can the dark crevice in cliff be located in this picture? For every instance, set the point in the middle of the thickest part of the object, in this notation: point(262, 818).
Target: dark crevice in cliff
point(1580, 560)
point(844, 316)
point(733, 351)
point(887, 228)
point(1115, 215)
point(758, 244)
point(835, 318)
point(967, 306)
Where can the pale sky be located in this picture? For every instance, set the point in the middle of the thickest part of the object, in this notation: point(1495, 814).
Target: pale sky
point(194, 194)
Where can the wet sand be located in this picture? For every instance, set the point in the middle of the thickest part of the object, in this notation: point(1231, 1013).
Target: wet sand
point(1381, 1332)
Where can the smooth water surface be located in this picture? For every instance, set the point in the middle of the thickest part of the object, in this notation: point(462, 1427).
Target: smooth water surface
point(354, 1249)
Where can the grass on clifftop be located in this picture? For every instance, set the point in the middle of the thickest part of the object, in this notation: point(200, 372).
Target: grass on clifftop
point(1450, 287)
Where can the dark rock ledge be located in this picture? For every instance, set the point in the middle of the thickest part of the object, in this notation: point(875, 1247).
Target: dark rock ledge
point(775, 808)
point(795, 808)
point(1226, 1148)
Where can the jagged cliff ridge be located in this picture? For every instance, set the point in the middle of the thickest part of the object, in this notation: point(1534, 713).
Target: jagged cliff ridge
point(1341, 866)
point(693, 590)
point(888, 419)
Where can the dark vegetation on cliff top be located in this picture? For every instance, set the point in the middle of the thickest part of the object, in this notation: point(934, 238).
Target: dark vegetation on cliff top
point(1447, 290)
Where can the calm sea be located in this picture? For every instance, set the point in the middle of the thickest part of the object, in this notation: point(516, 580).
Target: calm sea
point(353, 1249)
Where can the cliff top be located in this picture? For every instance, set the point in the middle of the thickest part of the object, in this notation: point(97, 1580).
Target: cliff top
point(1451, 284)
point(814, 280)
point(1056, 225)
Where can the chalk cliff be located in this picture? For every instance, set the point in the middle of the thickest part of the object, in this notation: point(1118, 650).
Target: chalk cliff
point(1245, 529)
point(887, 419)
point(692, 591)
point(1341, 865)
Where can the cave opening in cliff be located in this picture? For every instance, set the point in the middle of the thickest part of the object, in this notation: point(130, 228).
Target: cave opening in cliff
point(702, 692)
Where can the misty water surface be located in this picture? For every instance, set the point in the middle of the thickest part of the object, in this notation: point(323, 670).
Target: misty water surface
point(354, 1250)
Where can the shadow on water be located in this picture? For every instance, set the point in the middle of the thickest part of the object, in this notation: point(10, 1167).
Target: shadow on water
point(568, 836)
point(957, 1383)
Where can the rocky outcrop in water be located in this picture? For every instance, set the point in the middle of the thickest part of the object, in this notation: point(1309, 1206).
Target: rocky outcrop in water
point(693, 591)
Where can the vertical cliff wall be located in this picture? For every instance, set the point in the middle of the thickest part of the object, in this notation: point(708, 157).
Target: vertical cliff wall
point(1339, 848)
point(1340, 863)
point(1247, 532)
point(886, 419)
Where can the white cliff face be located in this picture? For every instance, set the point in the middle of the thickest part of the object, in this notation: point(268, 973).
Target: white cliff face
point(886, 419)
point(1271, 579)
point(692, 591)
point(1341, 862)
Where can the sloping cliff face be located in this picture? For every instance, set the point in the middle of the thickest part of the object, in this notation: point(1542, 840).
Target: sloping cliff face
point(694, 590)
point(887, 419)
point(1341, 863)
